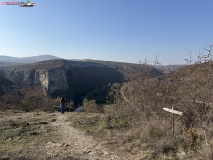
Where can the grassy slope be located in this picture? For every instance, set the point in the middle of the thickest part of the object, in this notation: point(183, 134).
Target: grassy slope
point(150, 129)
point(128, 132)
point(24, 134)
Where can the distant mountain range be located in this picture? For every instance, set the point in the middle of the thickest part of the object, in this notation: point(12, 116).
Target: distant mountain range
point(169, 68)
point(26, 60)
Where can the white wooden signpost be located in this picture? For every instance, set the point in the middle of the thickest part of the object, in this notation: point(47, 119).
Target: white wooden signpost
point(174, 112)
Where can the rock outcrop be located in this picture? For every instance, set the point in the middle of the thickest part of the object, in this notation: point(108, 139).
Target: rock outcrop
point(64, 77)
point(51, 75)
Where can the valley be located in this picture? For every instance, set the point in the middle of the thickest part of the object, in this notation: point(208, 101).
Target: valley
point(122, 115)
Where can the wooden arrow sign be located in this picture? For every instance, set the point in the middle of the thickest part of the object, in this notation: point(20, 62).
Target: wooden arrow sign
point(173, 111)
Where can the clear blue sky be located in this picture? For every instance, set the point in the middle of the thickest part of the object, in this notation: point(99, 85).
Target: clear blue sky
point(118, 30)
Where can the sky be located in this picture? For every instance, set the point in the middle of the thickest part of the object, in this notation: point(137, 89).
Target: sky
point(112, 30)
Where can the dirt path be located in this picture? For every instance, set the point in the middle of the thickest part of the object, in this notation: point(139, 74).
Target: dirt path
point(124, 97)
point(74, 144)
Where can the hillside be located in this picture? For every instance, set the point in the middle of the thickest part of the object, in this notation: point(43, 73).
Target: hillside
point(58, 75)
point(6, 61)
point(4, 82)
point(132, 124)
point(72, 79)
point(47, 81)
point(44, 135)
point(128, 68)
point(169, 68)
point(188, 90)
point(7, 66)
point(64, 78)
point(26, 60)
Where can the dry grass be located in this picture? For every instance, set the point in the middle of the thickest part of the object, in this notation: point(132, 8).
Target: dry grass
point(27, 100)
point(92, 107)
point(146, 132)
point(24, 134)
point(150, 126)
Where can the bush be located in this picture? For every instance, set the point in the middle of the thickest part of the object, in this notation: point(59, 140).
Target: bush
point(189, 90)
point(27, 100)
point(91, 106)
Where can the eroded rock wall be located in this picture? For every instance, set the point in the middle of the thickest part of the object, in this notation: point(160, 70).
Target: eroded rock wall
point(50, 78)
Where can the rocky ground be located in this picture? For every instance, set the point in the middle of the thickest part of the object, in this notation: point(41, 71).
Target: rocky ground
point(75, 144)
point(41, 135)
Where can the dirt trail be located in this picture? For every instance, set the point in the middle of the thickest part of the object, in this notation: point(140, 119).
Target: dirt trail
point(74, 144)
point(124, 97)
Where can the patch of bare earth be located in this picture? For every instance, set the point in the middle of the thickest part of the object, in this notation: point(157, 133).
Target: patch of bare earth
point(75, 143)
point(40, 135)
point(119, 142)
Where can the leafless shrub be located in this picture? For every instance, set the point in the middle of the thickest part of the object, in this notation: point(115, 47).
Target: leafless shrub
point(27, 99)
point(193, 137)
point(188, 89)
point(91, 106)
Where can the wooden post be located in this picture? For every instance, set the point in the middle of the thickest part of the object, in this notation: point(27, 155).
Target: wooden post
point(173, 124)
point(173, 112)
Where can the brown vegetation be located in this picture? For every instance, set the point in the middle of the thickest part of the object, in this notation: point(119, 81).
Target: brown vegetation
point(86, 79)
point(141, 124)
point(27, 100)
point(188, 90)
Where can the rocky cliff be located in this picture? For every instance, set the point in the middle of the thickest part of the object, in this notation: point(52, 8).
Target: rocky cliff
point(52, 74)
point(70, 78)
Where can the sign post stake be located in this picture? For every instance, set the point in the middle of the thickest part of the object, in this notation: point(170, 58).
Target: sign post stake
point(173, 123)
point(173, 112)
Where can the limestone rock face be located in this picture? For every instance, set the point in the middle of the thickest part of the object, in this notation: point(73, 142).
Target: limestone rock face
point(58, 77)
point(57, 80)
point(49, 75)
point(30, 78)
point(51, 80)
point(41, 77)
